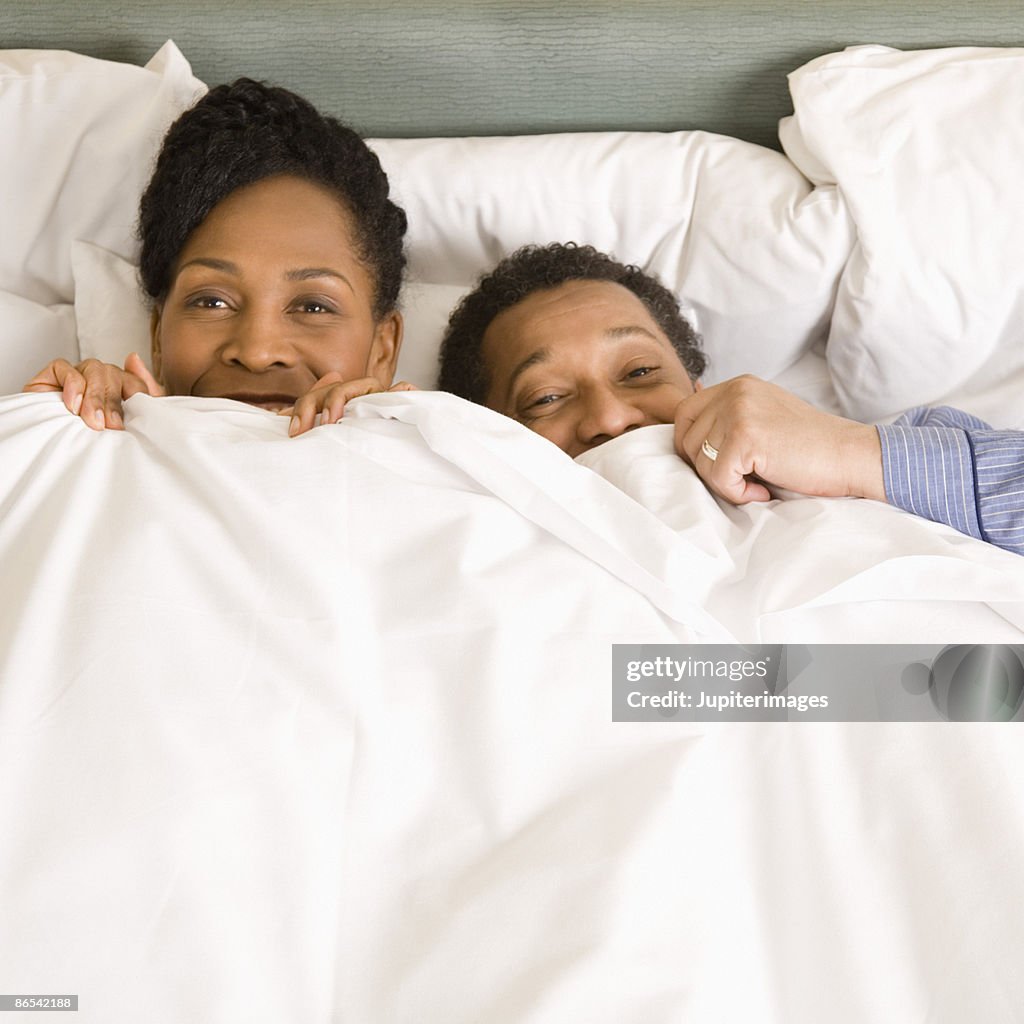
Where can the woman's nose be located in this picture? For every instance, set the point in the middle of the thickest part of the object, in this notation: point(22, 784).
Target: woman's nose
point(258, 341)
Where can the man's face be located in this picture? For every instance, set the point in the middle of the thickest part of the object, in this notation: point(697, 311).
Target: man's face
point(582, 363)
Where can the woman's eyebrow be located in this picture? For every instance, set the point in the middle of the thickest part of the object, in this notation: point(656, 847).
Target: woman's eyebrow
point(301, 274)
point(308, 273)
point(208, 261)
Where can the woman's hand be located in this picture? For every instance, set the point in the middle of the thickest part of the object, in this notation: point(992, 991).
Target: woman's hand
point(95, 390)
point(745, 433)
point(328, 397)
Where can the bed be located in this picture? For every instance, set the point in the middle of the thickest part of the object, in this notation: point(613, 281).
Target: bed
point(321, 730)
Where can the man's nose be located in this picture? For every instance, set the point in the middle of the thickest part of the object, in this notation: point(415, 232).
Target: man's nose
point(607, 414)
point(258, 342)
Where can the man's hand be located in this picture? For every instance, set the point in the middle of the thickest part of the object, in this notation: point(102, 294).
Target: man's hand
point(328, 397)
point(765, 435)
point(95, 390)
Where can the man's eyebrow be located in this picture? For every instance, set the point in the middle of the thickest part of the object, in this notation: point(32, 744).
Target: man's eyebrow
point(308, 273)
point(627, 330)
point(540, 356)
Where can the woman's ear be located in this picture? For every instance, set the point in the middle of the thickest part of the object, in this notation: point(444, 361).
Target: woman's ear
point(156, 354)
point(387, 341)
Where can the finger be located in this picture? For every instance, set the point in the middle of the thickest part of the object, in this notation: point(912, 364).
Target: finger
point(51, 377)
point(730, 478)
point(683, 424)
point(694, 405)
point(753, 490)
point(403, 385)
point(59, 375)
point(74, 390)
point(693, 425)
point(332, 377)
point(95, 396)
point(727, 477)
point(341, 394)
point(691, 435)
point(304, 411)
point(333, 404)
point(328, 399)
point(135, 366)
point(719, 463)
point(731, 475)
point(101, 405)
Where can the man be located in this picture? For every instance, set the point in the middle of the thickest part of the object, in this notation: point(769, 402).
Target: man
point(582, 349)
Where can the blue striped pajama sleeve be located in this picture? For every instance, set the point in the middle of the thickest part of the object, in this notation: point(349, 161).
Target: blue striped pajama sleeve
point(951, 467)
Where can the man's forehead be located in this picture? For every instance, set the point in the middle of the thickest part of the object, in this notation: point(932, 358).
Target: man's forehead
point(601, 306)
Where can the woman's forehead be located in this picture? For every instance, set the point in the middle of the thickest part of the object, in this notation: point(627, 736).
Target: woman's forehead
point(292, 224)
point(278, 203)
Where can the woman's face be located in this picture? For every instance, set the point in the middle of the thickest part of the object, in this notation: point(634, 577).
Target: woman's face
point(267, 295)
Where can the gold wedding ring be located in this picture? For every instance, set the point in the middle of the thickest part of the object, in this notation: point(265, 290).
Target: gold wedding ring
point(709, 450)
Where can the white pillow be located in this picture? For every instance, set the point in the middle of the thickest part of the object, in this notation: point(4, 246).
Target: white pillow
point(79, 139)
point(113, 317)
point(425, 308)
point(927, 148)
point(733, 227)
point(32, 334)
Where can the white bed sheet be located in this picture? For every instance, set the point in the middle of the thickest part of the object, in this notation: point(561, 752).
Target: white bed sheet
point(330, 739)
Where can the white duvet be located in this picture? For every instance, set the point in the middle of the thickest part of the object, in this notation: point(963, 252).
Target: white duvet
point(319, 730)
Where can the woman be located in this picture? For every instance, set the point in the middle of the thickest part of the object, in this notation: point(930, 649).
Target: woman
point(272, 255)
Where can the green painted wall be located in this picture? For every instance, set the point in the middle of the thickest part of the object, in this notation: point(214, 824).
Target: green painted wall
point(420, 67)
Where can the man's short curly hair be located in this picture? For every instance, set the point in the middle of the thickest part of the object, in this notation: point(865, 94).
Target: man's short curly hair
point(241, 133)
point(536, 268)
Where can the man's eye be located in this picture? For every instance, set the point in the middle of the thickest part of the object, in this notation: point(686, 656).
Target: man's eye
point(540, 406)
point(543, 400)
point(641, 371)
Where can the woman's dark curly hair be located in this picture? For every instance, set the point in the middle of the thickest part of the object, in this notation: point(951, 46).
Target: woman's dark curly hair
point(241, 133)
point(536, 268)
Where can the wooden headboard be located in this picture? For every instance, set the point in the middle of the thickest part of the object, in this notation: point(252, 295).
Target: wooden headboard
point(501, 67)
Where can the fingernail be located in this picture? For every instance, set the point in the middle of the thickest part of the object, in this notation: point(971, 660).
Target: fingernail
point(115, 420)
point(76, 404)
point(97, 418)
point(293, 426)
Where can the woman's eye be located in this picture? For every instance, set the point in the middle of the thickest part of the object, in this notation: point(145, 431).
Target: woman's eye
point(208, 302)
point(314, 306)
